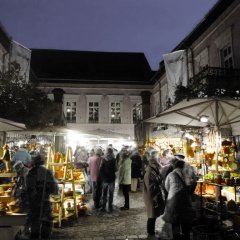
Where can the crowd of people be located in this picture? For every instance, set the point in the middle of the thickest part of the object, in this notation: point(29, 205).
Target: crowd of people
point(168, 185)
point(102, 168)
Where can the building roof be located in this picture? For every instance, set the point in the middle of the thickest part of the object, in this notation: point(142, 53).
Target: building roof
point(206, 22)
point(5, 40)
point(49, 65)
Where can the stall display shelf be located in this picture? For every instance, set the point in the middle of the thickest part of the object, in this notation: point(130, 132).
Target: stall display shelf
point(67, 179)
point(7, 185)
point(10, 222)
point(231, 195)
point(217, 196)
point(6, 199)
point(8, 174)
point(6, 189)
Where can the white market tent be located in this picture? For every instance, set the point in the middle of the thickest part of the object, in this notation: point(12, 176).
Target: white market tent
point(222, 113)
point(8, 125)
point(108, 134)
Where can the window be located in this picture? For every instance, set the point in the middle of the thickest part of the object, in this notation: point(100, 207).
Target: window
point(71, 111)
point(93, 112)
point(227, 57)
point(115, 112)
point(137, 113)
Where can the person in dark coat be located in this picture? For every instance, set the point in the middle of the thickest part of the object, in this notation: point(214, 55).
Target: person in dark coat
point(107, 173)
point(136, 168)
point(40, 184)
point(152, 191)
point(178, 210)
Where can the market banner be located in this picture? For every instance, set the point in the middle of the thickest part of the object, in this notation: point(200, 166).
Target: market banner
point(176, 71)
point(22, 56)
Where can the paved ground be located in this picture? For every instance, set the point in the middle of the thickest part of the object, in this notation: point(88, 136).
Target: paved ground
point(119, 224)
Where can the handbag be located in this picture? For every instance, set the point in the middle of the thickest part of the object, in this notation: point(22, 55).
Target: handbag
point(165, 229)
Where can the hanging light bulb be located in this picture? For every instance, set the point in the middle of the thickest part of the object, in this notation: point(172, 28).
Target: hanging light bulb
point(204, 118)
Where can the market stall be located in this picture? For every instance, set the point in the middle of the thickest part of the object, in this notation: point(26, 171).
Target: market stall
point(218, 118)
point(210, 127)
point(11, 221)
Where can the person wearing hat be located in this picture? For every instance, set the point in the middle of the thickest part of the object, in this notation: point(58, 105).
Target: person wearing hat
point(40, 184)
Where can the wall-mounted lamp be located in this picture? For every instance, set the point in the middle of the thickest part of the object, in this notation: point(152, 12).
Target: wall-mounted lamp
point(162, 127)
point(204, 118)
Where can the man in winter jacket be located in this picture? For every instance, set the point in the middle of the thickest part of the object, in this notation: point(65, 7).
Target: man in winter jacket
point(108, 170)
point(40, 184)
point(136, 169)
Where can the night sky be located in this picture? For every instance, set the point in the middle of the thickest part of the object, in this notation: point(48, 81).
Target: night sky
point(154, 27)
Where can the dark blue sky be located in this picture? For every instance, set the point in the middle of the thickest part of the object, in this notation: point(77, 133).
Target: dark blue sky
point(154, 27)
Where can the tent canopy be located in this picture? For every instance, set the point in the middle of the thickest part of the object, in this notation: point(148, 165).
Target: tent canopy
point(8, 125)
point(108, 134)
point(222, 113)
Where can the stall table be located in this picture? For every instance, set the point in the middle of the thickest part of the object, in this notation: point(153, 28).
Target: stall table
point(11, 224)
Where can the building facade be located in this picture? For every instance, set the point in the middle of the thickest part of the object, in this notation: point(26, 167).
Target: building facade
point(98, 93)
point(213, 59)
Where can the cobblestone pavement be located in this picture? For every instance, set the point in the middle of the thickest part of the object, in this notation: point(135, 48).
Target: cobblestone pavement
point(99, 225)
point(96, 225)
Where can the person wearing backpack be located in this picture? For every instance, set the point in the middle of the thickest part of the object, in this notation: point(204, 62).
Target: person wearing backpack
point(107, 173)
point(178, 209)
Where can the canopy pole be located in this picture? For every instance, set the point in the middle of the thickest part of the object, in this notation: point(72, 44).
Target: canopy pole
point(218, 141)
point(218, 134)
